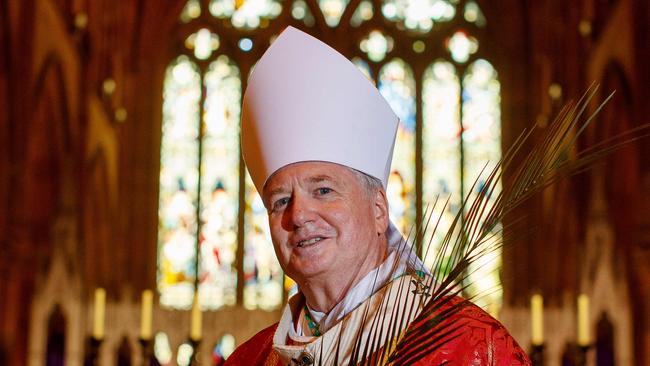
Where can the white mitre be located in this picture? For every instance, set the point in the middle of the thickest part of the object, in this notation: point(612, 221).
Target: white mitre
point(307, 102)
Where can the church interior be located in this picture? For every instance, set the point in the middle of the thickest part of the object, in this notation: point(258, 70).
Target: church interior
point(124, 192)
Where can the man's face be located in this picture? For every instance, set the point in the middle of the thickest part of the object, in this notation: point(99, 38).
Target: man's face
point(324, 223)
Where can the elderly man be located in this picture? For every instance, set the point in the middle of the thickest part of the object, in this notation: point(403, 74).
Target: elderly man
point(318, 140)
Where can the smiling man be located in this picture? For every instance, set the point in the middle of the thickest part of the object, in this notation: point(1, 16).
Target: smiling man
point(318, 138)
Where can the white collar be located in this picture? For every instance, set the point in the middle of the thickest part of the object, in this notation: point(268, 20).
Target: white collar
point(400, 259)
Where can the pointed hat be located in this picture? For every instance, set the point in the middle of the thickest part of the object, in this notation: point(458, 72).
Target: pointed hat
point(307, 102)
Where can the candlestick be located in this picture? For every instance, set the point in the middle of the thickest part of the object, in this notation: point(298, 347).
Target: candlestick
point(195, 343)
point(195, 328)
point(99, 313)
point(537, 355)
point(147, 351)
point(537, 319)
point(91, 357)
point(147, 310)
point(583, 320)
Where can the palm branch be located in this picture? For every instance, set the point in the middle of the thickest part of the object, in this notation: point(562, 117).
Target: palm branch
point(473, 233)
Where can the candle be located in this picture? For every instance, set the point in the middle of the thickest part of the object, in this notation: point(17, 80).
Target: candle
point(583, 320)
point(195, 328)
point(145, 320)
point(98, 318)
point(537, 319)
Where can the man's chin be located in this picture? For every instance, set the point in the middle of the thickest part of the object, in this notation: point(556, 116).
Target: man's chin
point(309, 271)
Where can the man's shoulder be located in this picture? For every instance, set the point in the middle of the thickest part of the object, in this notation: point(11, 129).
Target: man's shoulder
point(472, 336)
point(254, 351)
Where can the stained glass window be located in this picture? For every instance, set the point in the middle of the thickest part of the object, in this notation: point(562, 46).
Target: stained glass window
point(192, 10)
point(178, 184)
point(363, 13)
point(473, 14)
point(249, 14)
point(441, 148)
point(203, 43)
point(376, 45)
point(461, 46)
point(262, 272)
point(481, 146)
point(300, 11)
point(332, 10)
point(397, 85)
point(219, 185)
point(199, 207)
point(418, 15)
point(223, 349)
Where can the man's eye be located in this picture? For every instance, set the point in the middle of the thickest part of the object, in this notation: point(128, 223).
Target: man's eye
point(324, 190)
point(281, 202)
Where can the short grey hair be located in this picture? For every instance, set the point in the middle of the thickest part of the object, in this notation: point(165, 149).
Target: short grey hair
point(369, 183)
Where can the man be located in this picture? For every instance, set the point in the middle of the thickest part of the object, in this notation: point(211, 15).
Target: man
point(318, 139)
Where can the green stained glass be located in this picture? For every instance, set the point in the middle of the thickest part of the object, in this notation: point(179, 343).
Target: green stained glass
point(418, 15)
point(332, 10)
point(441, 148)
point(246, 14)
point(177, 223)
point(362, 13)
point(482, 144)
point(220, 185)
point(262, 272)
point(397, 85)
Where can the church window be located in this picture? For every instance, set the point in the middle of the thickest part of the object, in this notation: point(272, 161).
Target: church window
point(426, 60)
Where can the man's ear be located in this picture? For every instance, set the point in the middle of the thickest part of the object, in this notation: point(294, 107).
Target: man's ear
point(380, 210)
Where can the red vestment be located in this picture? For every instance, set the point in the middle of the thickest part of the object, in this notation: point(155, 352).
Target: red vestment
point(481, 341)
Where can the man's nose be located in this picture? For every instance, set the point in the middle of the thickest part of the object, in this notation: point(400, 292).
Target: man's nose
point(301, 211)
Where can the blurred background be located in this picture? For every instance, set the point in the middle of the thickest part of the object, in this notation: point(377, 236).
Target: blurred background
point(123, 192)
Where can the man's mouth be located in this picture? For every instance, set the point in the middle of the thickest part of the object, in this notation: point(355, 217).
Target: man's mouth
point(308, 242)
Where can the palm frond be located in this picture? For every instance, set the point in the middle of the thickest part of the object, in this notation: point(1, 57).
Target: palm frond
point(473, 233)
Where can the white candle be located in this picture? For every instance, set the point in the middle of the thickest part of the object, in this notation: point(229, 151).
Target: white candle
point(99, 313)
point(195, 328)
point(583, 320)
point(537, 319)
point(147, 310)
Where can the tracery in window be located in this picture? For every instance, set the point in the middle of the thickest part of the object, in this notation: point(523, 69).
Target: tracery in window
point(363, 13)
point(376, 45)
point(249, 14)
point(418, 15)
point(300, 11)
point(461, 46)
point(333, 10)
point(203, 43)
